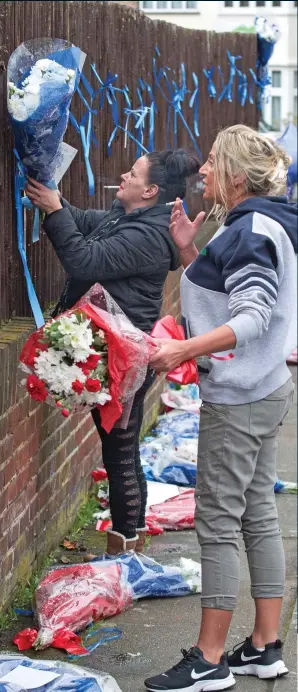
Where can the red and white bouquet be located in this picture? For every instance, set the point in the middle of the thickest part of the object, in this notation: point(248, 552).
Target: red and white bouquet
point(90, 356)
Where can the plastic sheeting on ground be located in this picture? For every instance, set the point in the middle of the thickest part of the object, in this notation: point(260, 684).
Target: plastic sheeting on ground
point(67, 677)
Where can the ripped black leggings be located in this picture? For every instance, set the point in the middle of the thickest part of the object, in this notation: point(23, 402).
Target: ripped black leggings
point(121, 459)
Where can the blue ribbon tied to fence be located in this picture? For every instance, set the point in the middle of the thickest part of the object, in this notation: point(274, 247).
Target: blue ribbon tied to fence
point(210, 83)
point(227, 91)
point(19, 186)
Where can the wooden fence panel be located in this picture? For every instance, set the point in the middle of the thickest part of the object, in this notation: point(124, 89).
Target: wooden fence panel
point(123, 41)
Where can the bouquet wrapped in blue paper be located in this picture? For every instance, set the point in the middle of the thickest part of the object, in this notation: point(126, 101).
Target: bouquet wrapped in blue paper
point(42, 77)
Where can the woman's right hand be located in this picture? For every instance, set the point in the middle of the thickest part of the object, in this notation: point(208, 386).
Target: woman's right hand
point(182, 230)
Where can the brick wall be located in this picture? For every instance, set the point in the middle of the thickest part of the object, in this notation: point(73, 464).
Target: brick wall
point(45, 464)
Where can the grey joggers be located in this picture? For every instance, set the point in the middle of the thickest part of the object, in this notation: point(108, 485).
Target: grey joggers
point(235, 493)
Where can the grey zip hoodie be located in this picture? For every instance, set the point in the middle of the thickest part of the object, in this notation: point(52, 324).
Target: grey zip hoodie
point(246, 277)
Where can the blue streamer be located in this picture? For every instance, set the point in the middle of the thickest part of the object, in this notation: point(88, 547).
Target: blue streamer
point(35, 307)
point(242, 89)
point(227, 91)
point(194, 103)
point(210, 84)
point(114, 633)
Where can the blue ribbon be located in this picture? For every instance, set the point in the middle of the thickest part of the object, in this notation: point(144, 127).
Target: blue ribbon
point(227, 91)
point(210, 84)
point(194, 103)
point(242, 89)
point(20, 183)
point(174, 100)
point(261, 84)
point(113, 634)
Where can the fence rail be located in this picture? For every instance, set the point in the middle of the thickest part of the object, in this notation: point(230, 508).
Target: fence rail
point(122, 41)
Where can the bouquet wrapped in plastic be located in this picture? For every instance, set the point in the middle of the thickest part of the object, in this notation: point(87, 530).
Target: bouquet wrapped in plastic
point(70, 598)
point(90, 356)
point(42, 77)
point(187, 372)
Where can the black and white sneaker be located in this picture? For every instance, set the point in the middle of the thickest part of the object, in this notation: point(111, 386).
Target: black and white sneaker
point(266, 664)
point(193, 674)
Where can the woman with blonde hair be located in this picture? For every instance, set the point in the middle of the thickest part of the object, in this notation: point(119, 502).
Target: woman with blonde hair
point(238, 299)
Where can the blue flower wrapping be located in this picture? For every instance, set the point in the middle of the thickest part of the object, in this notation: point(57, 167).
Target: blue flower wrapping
point(38, 139)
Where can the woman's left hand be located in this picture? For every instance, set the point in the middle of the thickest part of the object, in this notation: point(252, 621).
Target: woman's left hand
point(43, 197)
point(170, 354)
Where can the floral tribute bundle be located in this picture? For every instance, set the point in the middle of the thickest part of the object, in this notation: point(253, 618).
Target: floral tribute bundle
point(90, 356)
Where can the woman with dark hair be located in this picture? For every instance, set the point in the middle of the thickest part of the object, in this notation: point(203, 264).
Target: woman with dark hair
point(129, 251)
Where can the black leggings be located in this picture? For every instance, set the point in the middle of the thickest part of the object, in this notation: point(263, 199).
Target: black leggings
point(121, 459)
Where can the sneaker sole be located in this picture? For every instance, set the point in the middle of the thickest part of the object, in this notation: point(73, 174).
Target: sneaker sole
point(202, 686)
point(275, 670)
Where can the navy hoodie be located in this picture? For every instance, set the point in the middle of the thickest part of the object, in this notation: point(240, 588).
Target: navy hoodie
point(246, 277)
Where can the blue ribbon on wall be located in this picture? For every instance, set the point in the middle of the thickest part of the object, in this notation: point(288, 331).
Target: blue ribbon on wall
point(19, 186)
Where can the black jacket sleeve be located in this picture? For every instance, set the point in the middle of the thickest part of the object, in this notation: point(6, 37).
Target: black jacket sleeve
point(133, 250)
point(85, 221)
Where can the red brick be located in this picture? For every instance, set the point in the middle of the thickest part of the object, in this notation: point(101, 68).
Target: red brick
point(6, 447)
point(7, 564)
point(13, 534)
point(9, 470)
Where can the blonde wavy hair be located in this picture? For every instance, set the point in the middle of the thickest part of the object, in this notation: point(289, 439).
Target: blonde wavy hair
point(242, 150)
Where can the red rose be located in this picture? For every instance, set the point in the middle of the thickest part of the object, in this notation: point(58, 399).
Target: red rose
point(99, 475)
point(92, 361)
point(36, 388)
point(92, 385)
point(77, 386)
point(65, 412)
point(84, 367)
point(90, 364)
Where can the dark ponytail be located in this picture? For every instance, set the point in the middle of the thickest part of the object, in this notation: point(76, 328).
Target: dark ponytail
point(169, 170)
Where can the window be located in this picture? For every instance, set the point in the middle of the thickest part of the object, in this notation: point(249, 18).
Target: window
point(243, 3)
point(164, 5)
point(276, 112)
point(276, 79)
point(229, 4)
point(296, 79)
point(260, 3)
point(276, 4)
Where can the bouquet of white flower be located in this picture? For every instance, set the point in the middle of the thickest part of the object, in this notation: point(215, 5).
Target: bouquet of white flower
point(90, 356)
point(42, 77)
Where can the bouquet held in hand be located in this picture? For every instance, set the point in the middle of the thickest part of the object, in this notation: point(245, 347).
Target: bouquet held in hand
point(90, 356)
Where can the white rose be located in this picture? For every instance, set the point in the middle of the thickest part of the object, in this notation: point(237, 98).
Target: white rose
point(44, 64)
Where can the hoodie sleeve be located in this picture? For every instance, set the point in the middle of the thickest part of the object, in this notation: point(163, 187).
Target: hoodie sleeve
point(251, 282)
point(134, 250)
point(85, 221)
